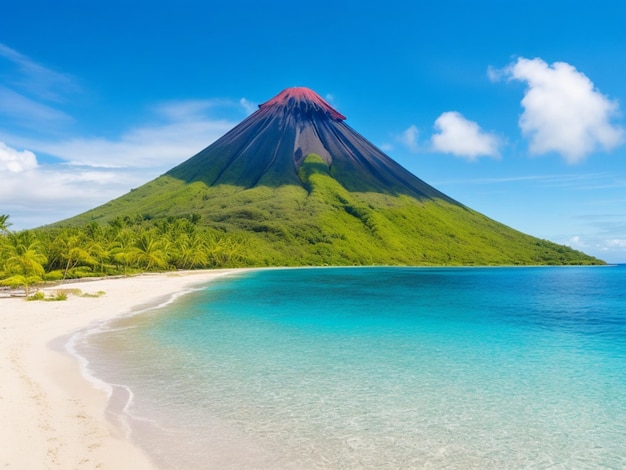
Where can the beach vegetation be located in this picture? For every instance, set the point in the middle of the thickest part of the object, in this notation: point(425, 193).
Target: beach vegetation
point(36, 296)
point(39, 295)
point(125, 246)
point(100, 293)
point(170, 224)
point(4, 223)
point(60, 295)
point(23, 260)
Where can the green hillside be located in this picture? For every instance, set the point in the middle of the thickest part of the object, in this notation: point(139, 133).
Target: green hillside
point(316, 221)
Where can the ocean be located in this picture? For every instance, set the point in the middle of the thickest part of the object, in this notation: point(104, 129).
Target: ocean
point(381, 367)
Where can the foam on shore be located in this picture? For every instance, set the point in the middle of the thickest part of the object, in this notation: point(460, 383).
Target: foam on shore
point(54, 412)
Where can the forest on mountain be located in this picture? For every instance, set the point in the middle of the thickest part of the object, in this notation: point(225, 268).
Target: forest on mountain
point(346, 233)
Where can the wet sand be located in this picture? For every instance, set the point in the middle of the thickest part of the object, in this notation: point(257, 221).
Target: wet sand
point(52, 417)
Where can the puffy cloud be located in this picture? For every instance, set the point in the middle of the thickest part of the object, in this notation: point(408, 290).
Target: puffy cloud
point(563, 111)
point(462, 137)
point(16, 161)
point(49, 193)
point(409, 138)
point(95, 170)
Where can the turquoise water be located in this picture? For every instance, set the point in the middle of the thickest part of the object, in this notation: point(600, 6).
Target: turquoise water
point(377, 368)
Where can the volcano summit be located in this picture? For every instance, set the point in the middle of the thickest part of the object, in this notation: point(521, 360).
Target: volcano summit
point(269, 147)
point(295, 185)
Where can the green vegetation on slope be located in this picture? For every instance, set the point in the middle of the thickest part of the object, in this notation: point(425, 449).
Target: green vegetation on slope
point(319, 222)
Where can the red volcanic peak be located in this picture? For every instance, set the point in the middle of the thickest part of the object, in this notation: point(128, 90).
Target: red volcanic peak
point(269, 147)
point(303, 98)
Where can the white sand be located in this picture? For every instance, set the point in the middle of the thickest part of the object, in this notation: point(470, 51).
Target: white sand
point(51, 417)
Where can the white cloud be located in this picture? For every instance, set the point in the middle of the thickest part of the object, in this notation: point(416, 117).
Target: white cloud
point(616, 243)
point(612, 250)
point(563, 111)
point(155, 147)
point(248, 106)
point(34, 194)
point(47, 193)
point(30, 92)
point(96, 170)
point(494, 74)
point(88, 171)
point(409, 138)
point(183, 130)
point(462, 137)
point(29, 113)
point(16, 161)
point(36, 79)
point(576, 242)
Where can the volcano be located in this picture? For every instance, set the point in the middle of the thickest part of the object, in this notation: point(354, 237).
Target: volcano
point(268, 148)
point(293, 184)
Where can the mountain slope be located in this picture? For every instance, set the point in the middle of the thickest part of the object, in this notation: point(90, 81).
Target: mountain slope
point(298, 186)
point(269, 146)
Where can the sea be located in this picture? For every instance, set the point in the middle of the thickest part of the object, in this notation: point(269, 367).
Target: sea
point(374, 367)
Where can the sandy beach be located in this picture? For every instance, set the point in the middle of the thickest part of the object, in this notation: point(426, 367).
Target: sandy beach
point(52, 417)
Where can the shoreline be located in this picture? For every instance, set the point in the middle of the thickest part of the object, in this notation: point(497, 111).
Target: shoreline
point(53, 415)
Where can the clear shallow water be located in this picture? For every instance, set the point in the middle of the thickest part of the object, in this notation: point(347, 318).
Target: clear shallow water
point(377, 368)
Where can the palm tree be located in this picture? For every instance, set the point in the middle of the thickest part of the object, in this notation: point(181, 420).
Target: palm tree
point(150, 251)
point(224, 250)
point(24, 263)
point(75, 254)
point(4, 224)
point(190, 251)
point(122, 247)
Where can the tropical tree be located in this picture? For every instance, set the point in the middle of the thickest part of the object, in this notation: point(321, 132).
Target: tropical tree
point(100, 245)
point(75, 253)
point(24, 261)
point(4, 224)
point(150, 251)
point(189, 251)
point(223, 250)
point(122, 247)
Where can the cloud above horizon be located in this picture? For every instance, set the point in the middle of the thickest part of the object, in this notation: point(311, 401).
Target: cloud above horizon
point(35, 79)
point(612, 248)
point(248, 106)
point(463, 138)
point(79, 172)
point(409, 138)
point(181, 129)
point(563, 111)
point(90, 171)
point(16, 161)
point(31, 190)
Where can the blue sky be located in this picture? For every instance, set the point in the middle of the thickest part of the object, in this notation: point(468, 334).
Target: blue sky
point(515, 109)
